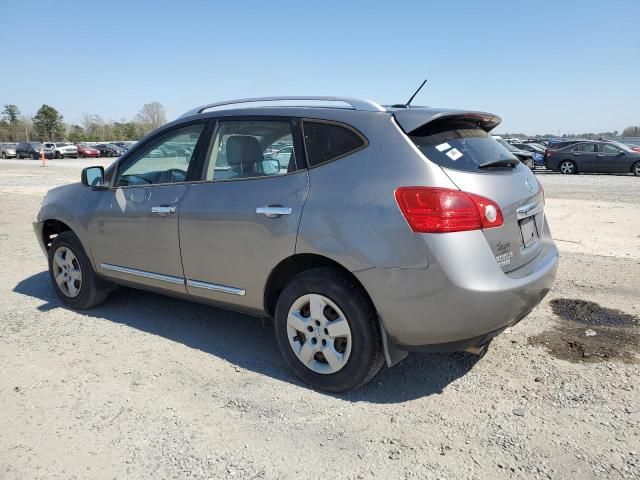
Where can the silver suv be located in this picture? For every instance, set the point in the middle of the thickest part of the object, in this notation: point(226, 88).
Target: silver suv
point(381, 230)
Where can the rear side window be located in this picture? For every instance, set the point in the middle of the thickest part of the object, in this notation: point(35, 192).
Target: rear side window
point(458, 145)
point(328, 141)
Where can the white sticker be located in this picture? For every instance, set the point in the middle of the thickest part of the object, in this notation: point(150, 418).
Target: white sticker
point(454, 154)
point(443, 146)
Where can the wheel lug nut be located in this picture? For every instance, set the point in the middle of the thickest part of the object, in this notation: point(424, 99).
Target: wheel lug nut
point(317, 323)
point(310, 329)
point(324, 342)
point(326, 331)
point(314, 340)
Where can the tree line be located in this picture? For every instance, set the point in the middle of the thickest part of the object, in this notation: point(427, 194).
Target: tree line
point(48, 125)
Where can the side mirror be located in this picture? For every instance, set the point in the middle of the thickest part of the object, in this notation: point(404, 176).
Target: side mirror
point(271, 166)
point(621, 153)
point(93, 176)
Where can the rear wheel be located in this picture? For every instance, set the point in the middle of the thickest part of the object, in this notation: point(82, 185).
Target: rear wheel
point(636, 169)
point(327, 331)
point(72, 275)
point(567, 167)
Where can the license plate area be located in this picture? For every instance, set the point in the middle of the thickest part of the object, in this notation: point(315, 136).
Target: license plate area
point(529, 231)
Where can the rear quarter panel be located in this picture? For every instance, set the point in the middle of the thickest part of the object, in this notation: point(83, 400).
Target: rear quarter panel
point(351, 214)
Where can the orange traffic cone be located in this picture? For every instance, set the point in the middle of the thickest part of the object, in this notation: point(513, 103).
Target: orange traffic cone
point(43, 160)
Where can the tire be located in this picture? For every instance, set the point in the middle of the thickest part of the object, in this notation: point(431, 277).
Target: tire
point(18, 156)
point(81, 291)
point(80, 155)
point(636, 169)
point(58, 155)
point(4, 156)
point(34, 156)
point(567, 167)
point(357, 357)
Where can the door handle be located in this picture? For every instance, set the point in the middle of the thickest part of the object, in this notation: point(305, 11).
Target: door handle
point(163, 210)
point(273, 211)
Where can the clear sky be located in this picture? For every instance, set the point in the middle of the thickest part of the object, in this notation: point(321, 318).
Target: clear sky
point(544, 66)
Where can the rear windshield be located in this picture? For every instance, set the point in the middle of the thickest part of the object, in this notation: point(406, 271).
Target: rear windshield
point(458, 145)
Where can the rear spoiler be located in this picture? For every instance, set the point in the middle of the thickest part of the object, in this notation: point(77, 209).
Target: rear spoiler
point(411, 119)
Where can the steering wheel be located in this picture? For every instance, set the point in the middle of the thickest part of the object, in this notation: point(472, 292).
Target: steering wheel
point(176, 174)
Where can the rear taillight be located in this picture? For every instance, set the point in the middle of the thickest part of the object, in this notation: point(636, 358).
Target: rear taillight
point(442, 210)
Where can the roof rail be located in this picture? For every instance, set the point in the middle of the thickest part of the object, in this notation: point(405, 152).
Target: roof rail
point(360, 104)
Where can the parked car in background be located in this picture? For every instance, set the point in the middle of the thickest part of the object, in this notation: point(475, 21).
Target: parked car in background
point(361, 249)
point(522, 155)
point(536, 149)
point(62, 149)
point(109, 150)
point(124, 145)
point(32, 150)
point(8, 150)
point(87, 151)
point(594, 156)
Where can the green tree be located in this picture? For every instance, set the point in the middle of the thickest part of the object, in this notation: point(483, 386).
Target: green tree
point(10, 114)
point(76, 134)
point(47, 123)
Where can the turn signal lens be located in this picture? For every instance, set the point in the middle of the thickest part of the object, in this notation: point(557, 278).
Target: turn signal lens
point(443, 210)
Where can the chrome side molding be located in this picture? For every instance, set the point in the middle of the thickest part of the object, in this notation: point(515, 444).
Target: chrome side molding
point(215, 287)
point(175, 280)
point(143, 273)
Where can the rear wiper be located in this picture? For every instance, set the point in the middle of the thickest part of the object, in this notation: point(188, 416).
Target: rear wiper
point(507, 162)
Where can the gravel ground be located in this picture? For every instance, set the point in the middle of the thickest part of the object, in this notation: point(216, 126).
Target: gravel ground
point(146, 386)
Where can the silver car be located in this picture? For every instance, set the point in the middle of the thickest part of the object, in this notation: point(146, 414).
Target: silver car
point(7, 150)
point(386, 230)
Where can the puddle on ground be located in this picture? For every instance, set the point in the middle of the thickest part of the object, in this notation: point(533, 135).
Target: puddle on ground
point(588, 332)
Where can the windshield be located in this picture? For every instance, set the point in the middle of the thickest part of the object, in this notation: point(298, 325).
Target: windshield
point(622, 146)
point(459, 145)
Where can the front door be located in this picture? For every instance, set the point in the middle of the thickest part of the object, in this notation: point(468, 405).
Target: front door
point(242, 219)
point(134, 229)
point(612, 159)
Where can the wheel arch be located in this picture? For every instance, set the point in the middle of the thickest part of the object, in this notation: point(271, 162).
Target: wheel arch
point(291, 266)
point(51, 228)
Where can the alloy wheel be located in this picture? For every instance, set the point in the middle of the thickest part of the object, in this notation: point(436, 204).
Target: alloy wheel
point(636, 169)
point(567, 167)
point(319, 333)
point(67, 272)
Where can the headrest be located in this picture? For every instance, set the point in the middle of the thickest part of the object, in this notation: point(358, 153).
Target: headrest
point(243, 150)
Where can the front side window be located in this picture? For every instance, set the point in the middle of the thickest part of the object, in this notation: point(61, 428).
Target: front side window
point(328, 141)
point(250, 149)
point(165, 160)
point(610, 149)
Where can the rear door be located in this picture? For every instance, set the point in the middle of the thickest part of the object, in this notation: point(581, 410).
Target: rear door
point(242, 219)
point(461, 147)
point(585, 155)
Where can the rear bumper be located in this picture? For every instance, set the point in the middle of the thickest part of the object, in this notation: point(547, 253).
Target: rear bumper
point(463, 298)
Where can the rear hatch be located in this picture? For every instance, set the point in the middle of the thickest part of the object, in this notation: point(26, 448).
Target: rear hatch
point(478, 164)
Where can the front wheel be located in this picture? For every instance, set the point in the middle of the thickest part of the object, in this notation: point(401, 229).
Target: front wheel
point(567, 167)
point(72, 275)
point(327, 331)
point(636, 169)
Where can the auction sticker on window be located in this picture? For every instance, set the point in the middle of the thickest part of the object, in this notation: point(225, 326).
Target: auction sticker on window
point(454, 154)
point(443, 146)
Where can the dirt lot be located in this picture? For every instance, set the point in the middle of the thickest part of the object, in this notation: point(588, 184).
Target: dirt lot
point(151, 387)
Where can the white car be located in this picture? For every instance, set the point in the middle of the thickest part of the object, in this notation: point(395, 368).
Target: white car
point(63, 149)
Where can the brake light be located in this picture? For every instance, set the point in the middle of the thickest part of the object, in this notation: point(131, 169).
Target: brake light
point(443, 210)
